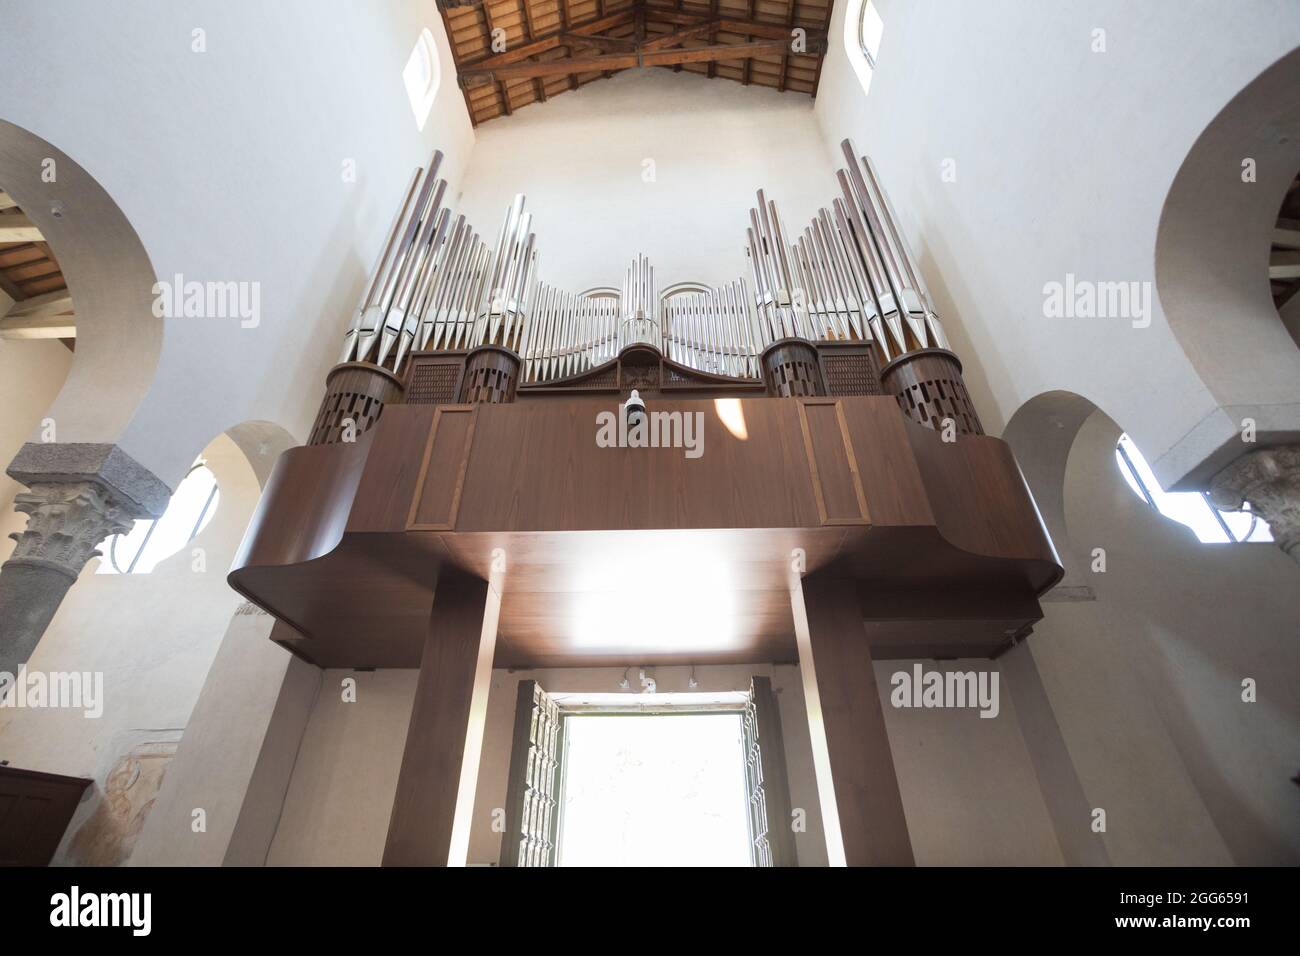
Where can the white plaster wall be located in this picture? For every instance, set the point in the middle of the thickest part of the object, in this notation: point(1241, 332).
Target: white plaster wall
point(1146, 681)
point(31, 373)
point(345, 776)
point(582, 159)
point(222, 744)
point(229, 165)
point(969, 791)
point(1064, 158)
point(153, 637)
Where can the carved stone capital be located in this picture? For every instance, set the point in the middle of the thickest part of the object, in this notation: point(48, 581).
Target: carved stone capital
point(1269, 479)
point(66, 521)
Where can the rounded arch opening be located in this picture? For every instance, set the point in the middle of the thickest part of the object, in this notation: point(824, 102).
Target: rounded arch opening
point(110, 279)
point(1212, 262)
point(224, 483)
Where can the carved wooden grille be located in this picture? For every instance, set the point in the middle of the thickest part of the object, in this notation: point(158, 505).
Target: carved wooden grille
point(433, 383)
point(851, 374)
point(606, 379)
point(337, 409)
point(532, 810)
point(930, 401)
point(642, 377)
point(792, 372)
point(490, 385)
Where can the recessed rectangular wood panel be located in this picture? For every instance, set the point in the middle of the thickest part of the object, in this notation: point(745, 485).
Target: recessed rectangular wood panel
point(537, 467)
point(831, 463)
point(442, 475)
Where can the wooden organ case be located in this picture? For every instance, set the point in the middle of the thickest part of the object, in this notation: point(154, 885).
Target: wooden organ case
point(845, 501)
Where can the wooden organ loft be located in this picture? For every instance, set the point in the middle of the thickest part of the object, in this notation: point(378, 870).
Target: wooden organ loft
point(454, 511)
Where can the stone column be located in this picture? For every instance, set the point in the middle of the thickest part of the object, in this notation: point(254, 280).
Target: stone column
point(79, 494)
point(65, 524)
point(1269, 479)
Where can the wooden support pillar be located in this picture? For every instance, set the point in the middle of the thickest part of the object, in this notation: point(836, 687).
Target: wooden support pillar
point(430, 822)
point(862, 809)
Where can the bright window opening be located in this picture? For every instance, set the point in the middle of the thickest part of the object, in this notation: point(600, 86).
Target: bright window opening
point(654, 790)
point(1192, 508)
point(190, 509)
point(863, 30)
point(870, 29)
point(420, 77)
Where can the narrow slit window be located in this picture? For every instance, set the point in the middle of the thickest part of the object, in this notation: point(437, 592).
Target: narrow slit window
point(420, 77)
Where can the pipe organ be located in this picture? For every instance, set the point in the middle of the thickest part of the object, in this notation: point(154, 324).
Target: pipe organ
point(806, 480)
point(839, 308)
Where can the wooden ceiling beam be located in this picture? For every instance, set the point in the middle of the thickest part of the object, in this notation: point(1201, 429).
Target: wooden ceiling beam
point(758, 28)
point(785, 57)
point(539, 87)
point(722, 51)
point(686, 33)
point(11, 289)
point(549, 41)
point(613, 44)
point(6, 201)
point(561, 67)
point(622, 61)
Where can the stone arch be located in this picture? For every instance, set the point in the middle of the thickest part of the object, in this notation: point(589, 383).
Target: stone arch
point(1211, 256)
point(109, 276)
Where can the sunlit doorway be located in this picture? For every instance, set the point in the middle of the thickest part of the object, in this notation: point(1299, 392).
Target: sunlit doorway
point(649, 779)
point(654, 790)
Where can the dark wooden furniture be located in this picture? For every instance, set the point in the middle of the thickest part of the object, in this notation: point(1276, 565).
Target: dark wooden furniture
point(35, 809)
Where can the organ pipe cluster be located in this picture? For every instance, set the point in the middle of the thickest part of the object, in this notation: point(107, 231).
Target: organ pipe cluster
point(437, 285)
point(849, 276)
point(569, 334)
point(640, 303)
point(713, 330)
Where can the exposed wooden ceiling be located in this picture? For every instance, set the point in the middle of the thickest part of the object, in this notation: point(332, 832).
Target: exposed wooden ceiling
point(547, 47)
point(30, 275)
point(1284, 258)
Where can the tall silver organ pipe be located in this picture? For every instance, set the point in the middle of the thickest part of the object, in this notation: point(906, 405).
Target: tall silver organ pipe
point(777, 288)
point(437, 285)
point(903, 292)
